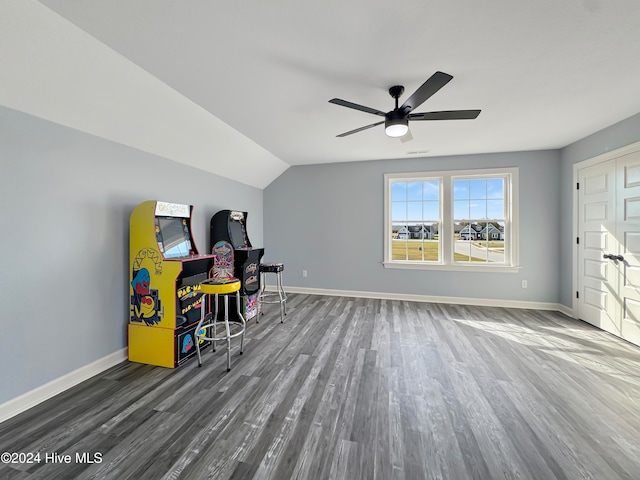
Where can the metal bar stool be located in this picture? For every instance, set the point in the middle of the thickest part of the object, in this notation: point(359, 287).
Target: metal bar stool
point(276, 268)
point(234, 328)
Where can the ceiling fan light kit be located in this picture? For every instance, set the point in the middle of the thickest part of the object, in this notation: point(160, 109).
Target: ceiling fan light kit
point(396, 122)
point(396, 127)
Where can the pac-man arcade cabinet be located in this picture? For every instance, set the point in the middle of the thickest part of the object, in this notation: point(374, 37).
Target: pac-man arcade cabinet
point(164, 284)
point(230, 226)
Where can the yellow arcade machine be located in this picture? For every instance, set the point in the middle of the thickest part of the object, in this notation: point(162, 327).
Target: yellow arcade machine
point(164, 284)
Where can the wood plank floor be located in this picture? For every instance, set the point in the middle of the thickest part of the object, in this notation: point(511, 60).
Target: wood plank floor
point(354, 389)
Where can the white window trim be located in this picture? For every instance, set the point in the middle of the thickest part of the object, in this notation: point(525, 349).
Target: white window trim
point(512, 260)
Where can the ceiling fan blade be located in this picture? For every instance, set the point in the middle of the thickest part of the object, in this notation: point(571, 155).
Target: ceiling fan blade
point(407, 137)
point(359, 129)
point(428, 88)
point(355, 106)
point(446, 115)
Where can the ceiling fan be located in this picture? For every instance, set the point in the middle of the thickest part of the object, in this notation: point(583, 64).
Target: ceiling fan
point(396, 122)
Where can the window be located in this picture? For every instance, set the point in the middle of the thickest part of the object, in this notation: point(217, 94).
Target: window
point(479, 219)
point(415, 213)
point(457, 220)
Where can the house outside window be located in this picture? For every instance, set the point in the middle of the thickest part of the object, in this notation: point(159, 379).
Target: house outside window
point(454, 220)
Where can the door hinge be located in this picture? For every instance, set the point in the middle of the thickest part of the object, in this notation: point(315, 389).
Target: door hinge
point(578, 186)
point(578, 240)
point(577, 294)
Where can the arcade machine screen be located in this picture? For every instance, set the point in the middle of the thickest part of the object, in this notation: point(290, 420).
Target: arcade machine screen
point(238, 232)
point(173, 237)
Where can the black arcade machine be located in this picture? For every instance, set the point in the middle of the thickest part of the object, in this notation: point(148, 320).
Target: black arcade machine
point(230, 226)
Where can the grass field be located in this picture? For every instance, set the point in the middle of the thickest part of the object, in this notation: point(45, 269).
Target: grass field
point(427, 250)
point(414, 250)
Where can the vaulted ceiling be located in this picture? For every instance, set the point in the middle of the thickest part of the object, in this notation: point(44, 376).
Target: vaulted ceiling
point(212, 82)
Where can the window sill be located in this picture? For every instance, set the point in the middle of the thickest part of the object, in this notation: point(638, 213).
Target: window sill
point(452, 268)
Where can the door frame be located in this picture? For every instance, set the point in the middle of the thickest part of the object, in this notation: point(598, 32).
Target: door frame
point(603, 157)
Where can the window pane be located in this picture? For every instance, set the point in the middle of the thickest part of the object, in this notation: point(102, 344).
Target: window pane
point(460, 189)
point(399, 241)
point(462, 251)
point(495, 209)
point(398, 191)
point(478, 209)
point(414, 191)
point(496, 244)
point(416, 242)
point(399, 250)
point(431, 211)
point(431, 190)
point(398, 211)
point(471, 249)
point(402, 231)
point(481, 242)
point(414, 211)
point(479, 250)
point(477, 189)
point(461, 209)
point(430, 243)
point(495, 188)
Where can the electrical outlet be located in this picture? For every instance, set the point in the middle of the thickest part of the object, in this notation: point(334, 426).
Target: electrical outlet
point(524, 284)
point(304, 273)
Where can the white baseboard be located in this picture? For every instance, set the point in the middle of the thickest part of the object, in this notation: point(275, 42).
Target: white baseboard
point(38, 395)
point(487, 302)
point(568, 311)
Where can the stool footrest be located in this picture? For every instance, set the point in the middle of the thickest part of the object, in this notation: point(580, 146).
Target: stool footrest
point(272, 295)
point(222, 333)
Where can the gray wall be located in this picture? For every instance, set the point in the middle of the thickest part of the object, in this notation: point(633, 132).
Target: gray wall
point(328, 219)
point(64, 244)
point(611, 138)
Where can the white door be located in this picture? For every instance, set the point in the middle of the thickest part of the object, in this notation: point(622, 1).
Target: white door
point(597, 276)
point(628, 231)
point(609, 246)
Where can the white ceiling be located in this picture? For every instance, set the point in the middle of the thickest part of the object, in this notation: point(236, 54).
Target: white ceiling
point(544, 73)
